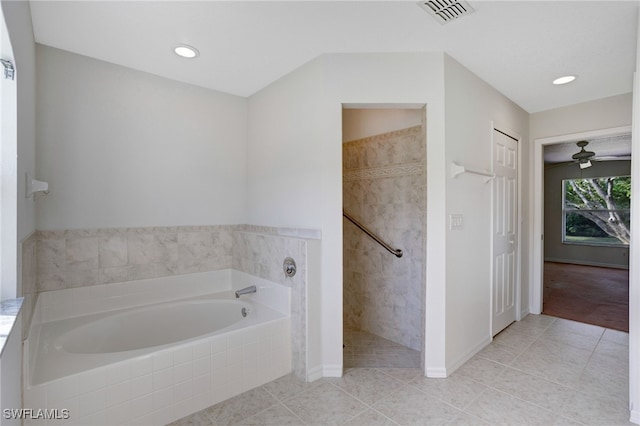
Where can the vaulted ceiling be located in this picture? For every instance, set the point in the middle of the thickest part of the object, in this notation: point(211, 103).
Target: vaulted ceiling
point(518, 47)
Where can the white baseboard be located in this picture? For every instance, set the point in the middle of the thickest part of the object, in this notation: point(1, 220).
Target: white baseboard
point(587, 263)
point(441, 373)
point(635, 417)
point(436, 373)
point(314, 373)
point(332, 370)
point(470, 354)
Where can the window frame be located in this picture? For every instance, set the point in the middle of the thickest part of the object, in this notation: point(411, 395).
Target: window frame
point(565, 210)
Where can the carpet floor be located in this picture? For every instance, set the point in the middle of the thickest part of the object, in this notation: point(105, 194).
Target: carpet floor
point(587, 294)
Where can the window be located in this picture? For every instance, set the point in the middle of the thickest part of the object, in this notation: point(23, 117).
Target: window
point(596, 210)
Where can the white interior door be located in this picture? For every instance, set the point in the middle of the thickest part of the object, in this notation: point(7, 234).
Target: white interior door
point(504, 230)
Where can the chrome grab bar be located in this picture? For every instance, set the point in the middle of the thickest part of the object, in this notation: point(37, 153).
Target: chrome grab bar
point(396, 252)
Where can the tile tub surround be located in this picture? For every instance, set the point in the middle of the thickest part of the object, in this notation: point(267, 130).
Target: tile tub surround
point(80, 258)
point(160, 387)
point(384, 185)
point(90, 257)
point(28, 288)
point(505, 384)
point(261, 254)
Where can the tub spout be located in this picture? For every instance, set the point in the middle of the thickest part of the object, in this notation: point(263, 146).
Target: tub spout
point(246, 290)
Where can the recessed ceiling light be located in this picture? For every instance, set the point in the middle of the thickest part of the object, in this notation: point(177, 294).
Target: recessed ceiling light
point(186, 51)
point(564, 80)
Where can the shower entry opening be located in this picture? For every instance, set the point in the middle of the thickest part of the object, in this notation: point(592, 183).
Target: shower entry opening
point(384, 221)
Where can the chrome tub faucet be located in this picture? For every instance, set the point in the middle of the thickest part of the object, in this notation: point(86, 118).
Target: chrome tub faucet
point(246, 290)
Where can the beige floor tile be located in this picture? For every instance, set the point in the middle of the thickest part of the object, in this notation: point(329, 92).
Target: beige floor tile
point(481, 370)
point(367, 385)
point(615, 336)
point(457, 390)
point(571, 339)
point(499, 353)
point(277, 415)
point(515, 339)
point(499, 408)
point(325, 404)
point(562, 368)
point(613, 350)
point(563, 325)
point(544, 393)
point(288, 386)
point(402, 374)
point(608, 365)
point(562, 348)
point(531, 327)
point(543, 321)
point(597, 410)
point(370, 417)
point(410, 406)
point(464, 419)
point(601, 378)
point(233, 410)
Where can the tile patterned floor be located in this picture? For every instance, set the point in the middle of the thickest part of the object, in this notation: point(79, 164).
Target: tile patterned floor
point(363, 349)
point(539, 371)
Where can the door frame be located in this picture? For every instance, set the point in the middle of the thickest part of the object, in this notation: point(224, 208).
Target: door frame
point(497, 126)
point(537, 223)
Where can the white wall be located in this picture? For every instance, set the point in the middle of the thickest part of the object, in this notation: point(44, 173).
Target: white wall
point(554, 248)
point(362, 123)
point(17, 16)
point(471, 106)
point(123, 148)
point(295, 166)
point(614, 111)
point(8, 173)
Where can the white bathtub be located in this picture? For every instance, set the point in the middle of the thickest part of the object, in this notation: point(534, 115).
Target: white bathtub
point(151, 326)
point(154, 363)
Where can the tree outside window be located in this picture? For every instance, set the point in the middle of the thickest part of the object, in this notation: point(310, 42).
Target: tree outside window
point(596, 210)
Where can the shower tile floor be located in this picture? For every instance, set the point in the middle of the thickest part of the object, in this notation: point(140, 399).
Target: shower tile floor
point(363, 349)
point(539, 371)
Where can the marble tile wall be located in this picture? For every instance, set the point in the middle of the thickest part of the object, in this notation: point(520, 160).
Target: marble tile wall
point(29, 280)
point(77, 258)
point(384, 188)
point(262, 255)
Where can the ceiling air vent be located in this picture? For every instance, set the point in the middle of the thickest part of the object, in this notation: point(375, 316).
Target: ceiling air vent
point(445, 11)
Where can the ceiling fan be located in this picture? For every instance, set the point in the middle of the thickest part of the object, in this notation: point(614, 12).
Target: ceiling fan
point(583, 157)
